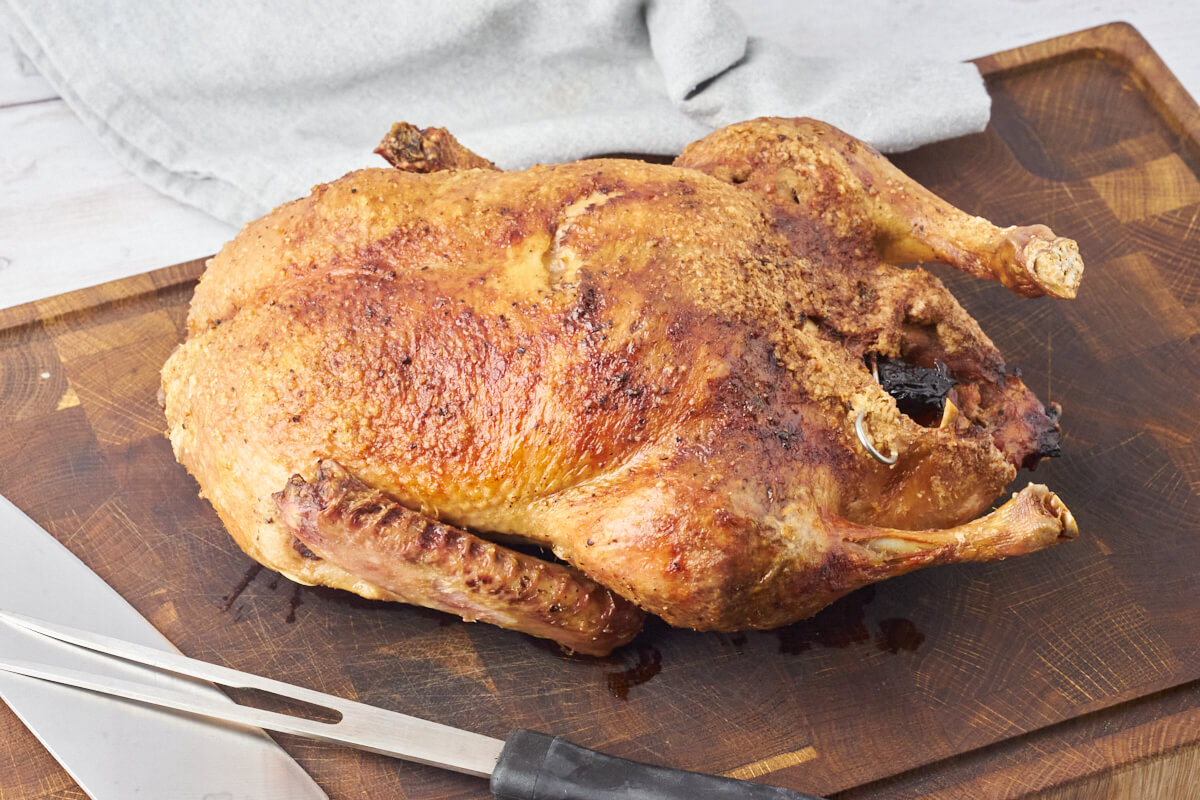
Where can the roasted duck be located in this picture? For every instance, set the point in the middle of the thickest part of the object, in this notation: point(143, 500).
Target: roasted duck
point(710, 389)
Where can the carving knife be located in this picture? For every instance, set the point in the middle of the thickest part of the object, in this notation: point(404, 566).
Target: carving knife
point(526, 766)
point(116, 750)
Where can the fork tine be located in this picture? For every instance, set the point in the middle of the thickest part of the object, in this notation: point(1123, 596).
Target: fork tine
point(204, 705)
point(174, 662)
point(362, 726)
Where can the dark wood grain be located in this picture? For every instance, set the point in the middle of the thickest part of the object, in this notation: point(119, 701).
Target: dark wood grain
point(991, 680)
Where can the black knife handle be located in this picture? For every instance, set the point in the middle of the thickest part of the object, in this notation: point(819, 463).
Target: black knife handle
point(535, 766)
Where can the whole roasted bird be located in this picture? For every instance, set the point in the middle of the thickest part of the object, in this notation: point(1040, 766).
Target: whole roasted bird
point(708, 388)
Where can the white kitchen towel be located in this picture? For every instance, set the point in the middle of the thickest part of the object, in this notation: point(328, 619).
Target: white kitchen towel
point(237, 106)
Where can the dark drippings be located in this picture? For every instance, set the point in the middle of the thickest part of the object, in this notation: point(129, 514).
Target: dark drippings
point(898, 634)
point(294, 602)
point(648, 664)
point(840, 625)
point(641, 661)
point(844, 624)
point(232, 597)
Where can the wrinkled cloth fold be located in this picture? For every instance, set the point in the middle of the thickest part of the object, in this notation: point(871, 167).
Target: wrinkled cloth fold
point(238, 107)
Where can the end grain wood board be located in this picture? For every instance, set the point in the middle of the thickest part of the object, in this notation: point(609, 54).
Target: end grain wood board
point(974, 680)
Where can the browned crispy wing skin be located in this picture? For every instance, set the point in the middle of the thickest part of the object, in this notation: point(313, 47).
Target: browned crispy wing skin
point(655, 371)
point(412, 149)
point(432, 564)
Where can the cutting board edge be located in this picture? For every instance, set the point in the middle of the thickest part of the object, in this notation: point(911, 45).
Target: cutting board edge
point(1120, 43)
point(1147, 728)
point(101, 296)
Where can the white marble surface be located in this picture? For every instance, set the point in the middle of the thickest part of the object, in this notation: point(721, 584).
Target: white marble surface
point(71, 216)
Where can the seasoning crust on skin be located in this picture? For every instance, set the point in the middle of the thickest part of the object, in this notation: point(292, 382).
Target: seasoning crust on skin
point(655, 371)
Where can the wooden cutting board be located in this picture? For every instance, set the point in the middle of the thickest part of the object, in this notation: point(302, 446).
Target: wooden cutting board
point(967, 681)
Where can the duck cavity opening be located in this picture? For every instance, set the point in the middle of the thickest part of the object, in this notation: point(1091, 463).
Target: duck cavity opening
point(920, 392)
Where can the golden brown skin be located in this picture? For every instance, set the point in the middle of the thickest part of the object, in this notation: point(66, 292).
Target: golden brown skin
point(653, 370)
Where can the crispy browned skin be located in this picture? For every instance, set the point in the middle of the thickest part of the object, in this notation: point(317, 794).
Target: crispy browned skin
point(407, 147)
point(429, 563)
point(655, 371)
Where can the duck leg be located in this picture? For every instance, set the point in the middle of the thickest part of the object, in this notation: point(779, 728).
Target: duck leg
point(1032, 519)
point(815, 172)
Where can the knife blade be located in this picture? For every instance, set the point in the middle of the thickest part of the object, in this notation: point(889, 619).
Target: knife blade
point(116, 750)
point(526, 766)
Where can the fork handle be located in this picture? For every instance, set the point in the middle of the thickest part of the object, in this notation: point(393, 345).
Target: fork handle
point(535, 766)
